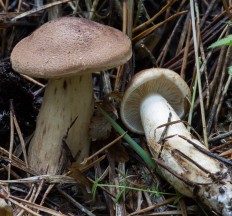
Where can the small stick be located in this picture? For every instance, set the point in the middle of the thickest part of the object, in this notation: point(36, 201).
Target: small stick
point(28, 197)
point(181, 178)
point(15, 200)
point(6, 5)
point(103, 149)
point(163, 54)
point(165, 202)
point(202, 54)
point(20, 137)
point(218, 68)
point(210, 154)
point(176, 151)
point(223, 94)
point(19, 6)
point(187, 124)
point(145, 24)
point(11, 136)
point(93, 9)
point(161, 140)
point(32, 80)
point(75, 203)
point(50, 187)
point(3, 6)
point(221, 146)
point(186, 51)
point(198, 73)
point(213, 110)
point(39, 9)
point(219, 137)
point(227, 9)
point(153, 28)
point(152, 57)
point(23, 207)
point(185, 29)
point(207, 12)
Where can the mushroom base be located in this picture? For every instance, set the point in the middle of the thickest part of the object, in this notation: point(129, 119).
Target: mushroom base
point(192, 172)
point(64, 101)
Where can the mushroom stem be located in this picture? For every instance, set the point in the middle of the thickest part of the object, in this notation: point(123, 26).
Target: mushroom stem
point(155, 111)
point(180, 156)
point(151, 96)
point(64, 100)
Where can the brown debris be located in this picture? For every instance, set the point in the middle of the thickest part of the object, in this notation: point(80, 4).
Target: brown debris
point(162, 36)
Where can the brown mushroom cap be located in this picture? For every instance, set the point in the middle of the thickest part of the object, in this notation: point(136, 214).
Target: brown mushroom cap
point(161, 81)
point(68, 46)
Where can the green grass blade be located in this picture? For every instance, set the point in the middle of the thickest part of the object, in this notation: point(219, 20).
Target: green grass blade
point(131, 142)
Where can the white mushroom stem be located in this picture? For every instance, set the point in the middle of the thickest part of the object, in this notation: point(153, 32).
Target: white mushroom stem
point(64, 100)
point(204, 184)
point(154, 111)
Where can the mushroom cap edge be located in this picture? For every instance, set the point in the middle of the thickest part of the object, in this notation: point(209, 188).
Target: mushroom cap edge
point(153, 81)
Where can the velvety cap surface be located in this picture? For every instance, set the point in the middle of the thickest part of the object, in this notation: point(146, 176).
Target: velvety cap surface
point(161, 81)
point(67, 46)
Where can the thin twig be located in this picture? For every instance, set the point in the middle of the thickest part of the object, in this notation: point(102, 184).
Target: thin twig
point(19, 6)
point(20, 137)
point(11, 137)
point(23, 207)
point(93, 9)
point(33, 80)
point(220, 137)
point(6, 5)
point(217, 96)
point(205, 170)
point(3, 5)
point(75, 203)
point(39, 9)
point(206, 152)
point(163, 54)
point(222, 145)
point(219, 64)
point(161, 140)
point(145, 24)
point(103, 149)
point(203, 19)
point(155, 206)
point(227, 9)
point(223, 94)
point(186, 27)
point(202, 55)
point(15, 200)
point(186, 51)
point(198, 73)
point(153, 28)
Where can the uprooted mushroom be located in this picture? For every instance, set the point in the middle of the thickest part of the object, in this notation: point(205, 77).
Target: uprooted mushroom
point(153, 104)
point(66, 50)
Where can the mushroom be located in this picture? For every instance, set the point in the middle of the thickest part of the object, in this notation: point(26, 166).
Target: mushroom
point(66, 51)
point(153, 98)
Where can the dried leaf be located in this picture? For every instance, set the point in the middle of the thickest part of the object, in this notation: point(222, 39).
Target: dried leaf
point(118, 153)
point(100, 128)
point(77, 173)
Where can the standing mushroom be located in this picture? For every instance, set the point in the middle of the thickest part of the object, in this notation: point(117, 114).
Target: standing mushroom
point(153, 98)
point(66, 51)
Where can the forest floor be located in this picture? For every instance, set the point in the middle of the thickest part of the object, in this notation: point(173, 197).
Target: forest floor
point(116, 181)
